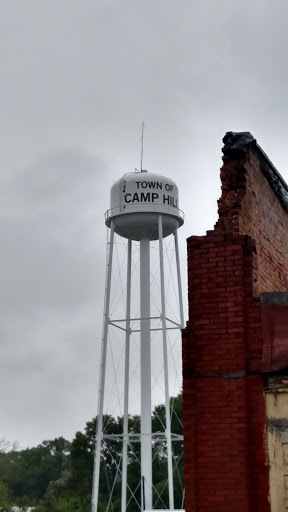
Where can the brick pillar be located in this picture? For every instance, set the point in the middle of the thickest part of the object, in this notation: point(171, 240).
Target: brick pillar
point(224, 409)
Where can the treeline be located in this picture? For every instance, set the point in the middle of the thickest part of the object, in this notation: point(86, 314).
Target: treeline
point(56, 476)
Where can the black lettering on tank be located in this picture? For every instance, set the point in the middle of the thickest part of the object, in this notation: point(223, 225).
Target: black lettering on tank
point(145, 198)
point(135, 198)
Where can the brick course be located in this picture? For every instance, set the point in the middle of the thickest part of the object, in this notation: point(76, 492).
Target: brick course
point(225, 456)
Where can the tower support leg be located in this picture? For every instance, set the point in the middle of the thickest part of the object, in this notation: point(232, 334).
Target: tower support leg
point(126, 381)
point(165, 358)
point(99, 427)
point(145, 341)
point(179, 279)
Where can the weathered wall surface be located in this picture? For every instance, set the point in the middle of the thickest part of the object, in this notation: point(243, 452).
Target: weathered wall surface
point(254, 202)
point(222, 473)
point(225, 449)
point(276, 391)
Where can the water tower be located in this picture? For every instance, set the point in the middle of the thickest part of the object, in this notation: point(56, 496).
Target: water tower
point(143, 210)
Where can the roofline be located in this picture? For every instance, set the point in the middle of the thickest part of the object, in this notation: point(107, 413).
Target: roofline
point(238, 140)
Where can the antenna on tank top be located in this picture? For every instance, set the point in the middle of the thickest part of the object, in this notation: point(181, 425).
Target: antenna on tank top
point(142, 145)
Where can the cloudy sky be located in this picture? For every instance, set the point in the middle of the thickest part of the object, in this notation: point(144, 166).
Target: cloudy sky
point(77, 79)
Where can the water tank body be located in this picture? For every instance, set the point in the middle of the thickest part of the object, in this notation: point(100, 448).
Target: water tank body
point(137, 199)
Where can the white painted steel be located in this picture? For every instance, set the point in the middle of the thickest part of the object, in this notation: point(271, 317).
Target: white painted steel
point(99, 432)
point(137, 199)
point(145, 363)
point(179, 279)
point(150, 188)
point(144, 207)
point(126, 381)
point(166, 381)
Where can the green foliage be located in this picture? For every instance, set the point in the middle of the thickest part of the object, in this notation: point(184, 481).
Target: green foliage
point(5, 503)
point(56, 476)
point(40, 465)
point(70, 504)
point(81, 464)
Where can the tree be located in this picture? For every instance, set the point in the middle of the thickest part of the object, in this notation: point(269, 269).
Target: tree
point(5, 503)
point(56, 476)
point(81, 464)
point(28, 472)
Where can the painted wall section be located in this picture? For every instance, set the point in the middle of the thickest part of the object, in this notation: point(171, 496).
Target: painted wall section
point(277, 440)
point(224, 352)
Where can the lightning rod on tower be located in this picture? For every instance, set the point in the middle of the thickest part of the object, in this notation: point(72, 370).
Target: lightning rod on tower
point(143, 211)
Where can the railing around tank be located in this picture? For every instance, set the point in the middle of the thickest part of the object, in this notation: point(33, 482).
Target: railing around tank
point(148, 207)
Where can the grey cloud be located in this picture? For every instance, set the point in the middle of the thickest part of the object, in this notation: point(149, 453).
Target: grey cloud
point(48, 243)
point(78, 78)
point(49, 311)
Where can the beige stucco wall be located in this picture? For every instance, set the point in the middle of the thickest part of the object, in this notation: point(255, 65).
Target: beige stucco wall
point(277, 442)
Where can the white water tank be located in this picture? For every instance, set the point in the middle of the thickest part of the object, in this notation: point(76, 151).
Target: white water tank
point(137, 199)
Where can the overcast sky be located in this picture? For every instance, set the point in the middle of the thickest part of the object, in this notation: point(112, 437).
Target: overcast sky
point(77, 79)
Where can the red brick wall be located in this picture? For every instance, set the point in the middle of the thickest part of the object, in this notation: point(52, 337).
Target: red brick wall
point(225, 456)
point(249, 206)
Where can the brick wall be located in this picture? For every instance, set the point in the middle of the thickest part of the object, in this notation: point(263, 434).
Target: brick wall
point(250, 206)
point(225, 454)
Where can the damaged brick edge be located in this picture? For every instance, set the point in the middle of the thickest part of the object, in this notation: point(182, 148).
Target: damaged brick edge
point(234, 142)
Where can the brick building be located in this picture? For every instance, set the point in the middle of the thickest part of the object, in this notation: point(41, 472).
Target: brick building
point(235, 345)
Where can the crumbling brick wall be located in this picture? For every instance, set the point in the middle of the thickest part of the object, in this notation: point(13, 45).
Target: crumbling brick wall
point(225, 456)
point(254, 202)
